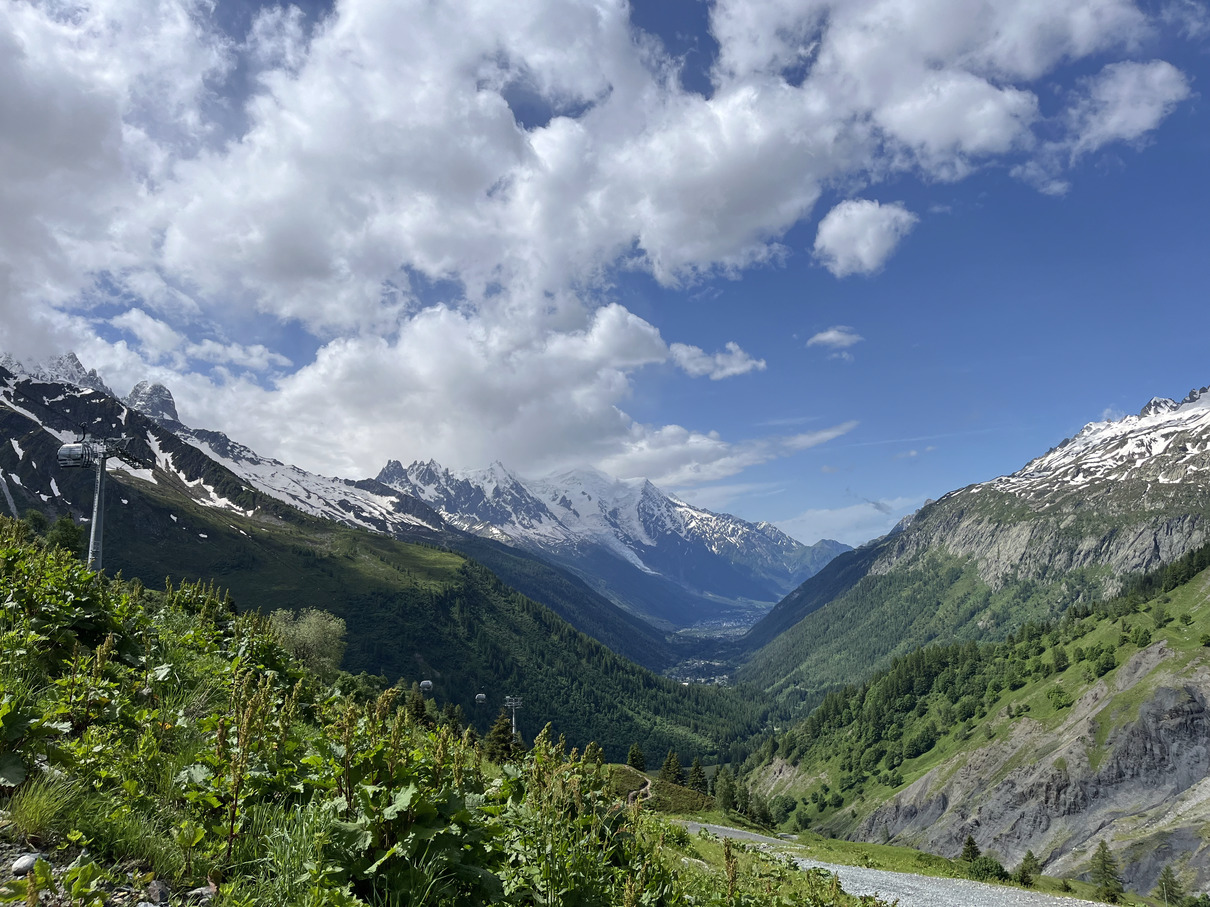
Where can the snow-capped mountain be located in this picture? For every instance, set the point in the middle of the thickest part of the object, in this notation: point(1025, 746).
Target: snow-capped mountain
point(648, 550)
point(1166, 444)
point(62, 395)
point(66, 369)
point(1129, 494)
point(1123, 496)
point(198, 471)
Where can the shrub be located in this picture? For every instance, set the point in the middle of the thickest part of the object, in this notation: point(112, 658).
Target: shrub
point(986, 868)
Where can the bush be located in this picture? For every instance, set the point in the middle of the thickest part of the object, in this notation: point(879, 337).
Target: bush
point(986, 868)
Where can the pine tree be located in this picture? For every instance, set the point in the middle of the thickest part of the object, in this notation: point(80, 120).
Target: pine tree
point(500, 744)
point(697, 777)
point(1105, 874)
point(417, 709)
point(671, 771)
point(1168, 887)
point(635, 758)
point(970, 850)
point(1029, 870)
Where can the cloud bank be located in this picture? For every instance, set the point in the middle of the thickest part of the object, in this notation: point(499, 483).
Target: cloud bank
point(394, 230)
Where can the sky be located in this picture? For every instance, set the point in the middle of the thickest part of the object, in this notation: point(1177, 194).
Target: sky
point(802, 261)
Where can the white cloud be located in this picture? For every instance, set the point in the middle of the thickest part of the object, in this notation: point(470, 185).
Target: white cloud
point(838, 337)
point(451, 262)
point(156, 338)
point(1191, 17)
point(675, 456)
point(698, 363)
point(1124, 102)
point(858, 236)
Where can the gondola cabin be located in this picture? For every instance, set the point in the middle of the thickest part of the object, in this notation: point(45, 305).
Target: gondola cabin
point(77, 454)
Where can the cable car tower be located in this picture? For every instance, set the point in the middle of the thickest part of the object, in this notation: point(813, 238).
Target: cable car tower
point(83, 453)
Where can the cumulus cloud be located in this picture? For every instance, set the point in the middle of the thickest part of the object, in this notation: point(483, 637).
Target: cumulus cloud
point(1124, 102)
point(675, 456)
point(858, 236)
point(439, 196)
point(698, 363)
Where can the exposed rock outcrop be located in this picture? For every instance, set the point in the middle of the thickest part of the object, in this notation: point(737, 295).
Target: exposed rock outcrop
point(154, 401)
point(1058, 792)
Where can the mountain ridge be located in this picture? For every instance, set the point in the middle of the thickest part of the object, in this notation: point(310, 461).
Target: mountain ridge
point(1123, 496)
point(718, 565)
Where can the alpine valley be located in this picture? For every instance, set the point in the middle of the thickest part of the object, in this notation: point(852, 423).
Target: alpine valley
point(1024, 662)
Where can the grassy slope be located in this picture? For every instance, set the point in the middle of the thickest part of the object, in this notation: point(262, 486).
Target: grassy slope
point(417, 612)
point(935, 598)
point(187, 745)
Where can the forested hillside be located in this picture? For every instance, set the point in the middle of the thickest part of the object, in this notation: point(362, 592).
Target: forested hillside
point(1122, 497)
point(1036, 742)
point(416, 612)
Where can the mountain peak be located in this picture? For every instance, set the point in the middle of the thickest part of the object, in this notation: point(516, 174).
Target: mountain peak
point(153, 400)
point(68, 368)
point(1156, 406)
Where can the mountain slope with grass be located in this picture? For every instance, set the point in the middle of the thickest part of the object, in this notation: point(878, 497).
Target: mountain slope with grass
point(224, 478)
point(1086, 728)
point(1120, 498)
point(414, 612)
point(159, 741)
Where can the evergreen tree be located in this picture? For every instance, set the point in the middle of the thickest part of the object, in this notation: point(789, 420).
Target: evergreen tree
point(970, 850)
point(671, 771)
point(742, 798)
point(1029, 870)
point(697, 777)
point(1168, 887)
point(500, 745)
point(417, 709)
point(635, 758)
point(1105, 874)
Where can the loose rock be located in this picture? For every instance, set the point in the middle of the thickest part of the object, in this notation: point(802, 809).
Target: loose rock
point(23, 864)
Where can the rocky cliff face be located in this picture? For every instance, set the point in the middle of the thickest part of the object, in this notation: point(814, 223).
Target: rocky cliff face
point(1127, 494)
point(1128, 765)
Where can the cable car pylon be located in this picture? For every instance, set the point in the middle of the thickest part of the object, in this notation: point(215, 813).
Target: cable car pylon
point(83, 453)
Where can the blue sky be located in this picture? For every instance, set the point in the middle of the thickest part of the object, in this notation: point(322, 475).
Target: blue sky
point(806, 262)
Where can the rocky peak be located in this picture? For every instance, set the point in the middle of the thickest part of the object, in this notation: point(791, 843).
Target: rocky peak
point(1156, 406)
point(153, 400)
point(69, 369)
point(1195, 395)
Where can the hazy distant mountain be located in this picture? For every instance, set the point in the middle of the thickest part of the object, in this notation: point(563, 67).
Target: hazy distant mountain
point(647, 550)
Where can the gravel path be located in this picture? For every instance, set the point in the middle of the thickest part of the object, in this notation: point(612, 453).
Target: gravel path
point(910, 890)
